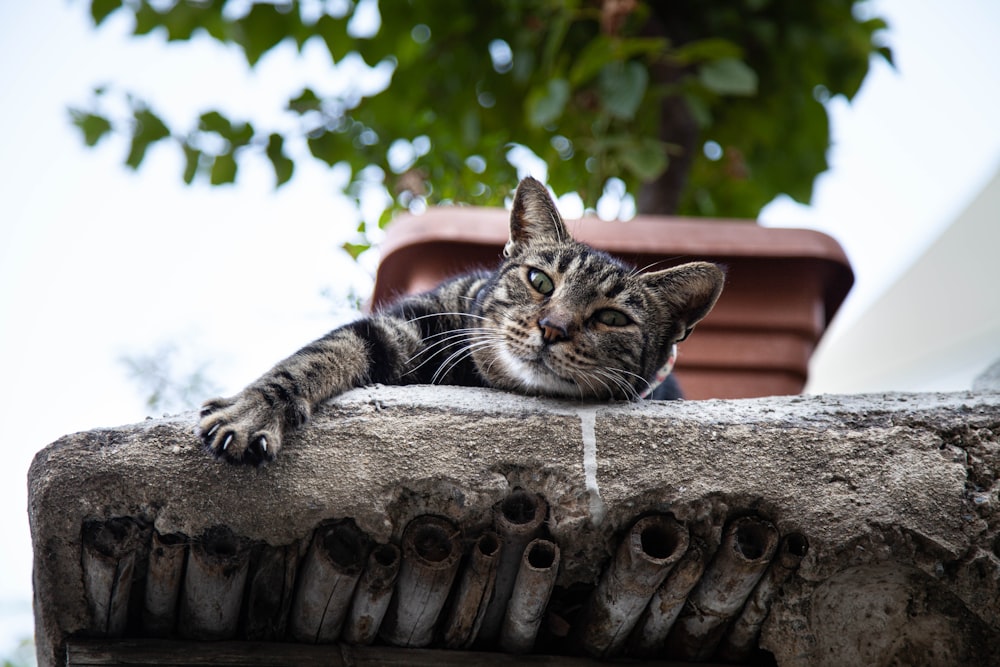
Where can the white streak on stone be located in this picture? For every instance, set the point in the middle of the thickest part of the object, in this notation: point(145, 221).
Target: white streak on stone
point(588, 419)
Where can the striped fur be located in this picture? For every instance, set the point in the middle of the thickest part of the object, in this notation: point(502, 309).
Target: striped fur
point(556, 318)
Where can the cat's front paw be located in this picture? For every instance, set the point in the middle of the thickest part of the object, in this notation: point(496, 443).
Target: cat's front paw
point(241, 430)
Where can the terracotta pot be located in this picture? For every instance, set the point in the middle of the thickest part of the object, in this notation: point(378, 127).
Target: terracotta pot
point(783, 285)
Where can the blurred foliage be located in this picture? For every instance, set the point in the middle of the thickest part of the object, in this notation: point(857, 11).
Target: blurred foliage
point(581, 83)
point(169, 382)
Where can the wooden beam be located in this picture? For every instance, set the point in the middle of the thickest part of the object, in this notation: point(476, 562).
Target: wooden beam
point(167, 653)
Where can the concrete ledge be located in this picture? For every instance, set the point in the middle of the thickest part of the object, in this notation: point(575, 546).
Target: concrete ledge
point(897, 495)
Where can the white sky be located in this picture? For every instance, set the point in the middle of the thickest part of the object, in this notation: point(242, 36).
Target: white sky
point(96, 261)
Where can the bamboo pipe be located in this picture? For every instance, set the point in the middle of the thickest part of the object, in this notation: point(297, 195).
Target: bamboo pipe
point(532, 589)
point(270, 590)
point(213, 585)
point(474, 591)
point(741, 641)
point(108, 562)
point(747, 547)
point(164, 576)
point(641, 563)
point(517, 519)
point(665, 606)
point(330, 572)
point(431, 555)
point(372, 595)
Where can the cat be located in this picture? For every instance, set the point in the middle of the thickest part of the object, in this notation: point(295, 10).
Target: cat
point(556, 318)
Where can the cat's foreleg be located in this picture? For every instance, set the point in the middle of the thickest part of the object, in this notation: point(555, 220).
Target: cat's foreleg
point(250, 426)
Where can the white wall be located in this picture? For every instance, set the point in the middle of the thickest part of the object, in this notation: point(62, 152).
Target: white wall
point(938, 326)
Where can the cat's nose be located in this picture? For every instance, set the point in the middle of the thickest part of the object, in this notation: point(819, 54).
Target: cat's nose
point(553, 330)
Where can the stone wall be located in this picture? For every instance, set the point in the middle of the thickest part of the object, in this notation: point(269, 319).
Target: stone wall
point(895, 495)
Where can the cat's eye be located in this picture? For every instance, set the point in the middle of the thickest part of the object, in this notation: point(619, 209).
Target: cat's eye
point(540, 282)
point(612, 317)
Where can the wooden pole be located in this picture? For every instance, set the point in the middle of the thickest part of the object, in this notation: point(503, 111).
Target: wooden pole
point(372, 595)
point(330, 573)
point(431, 555)
point(666, 604)
point(747, 547)
point(532, 588)
point(108, 562)
point(474, 591)
point(164, 576)
point(741, 640)
point(641, 563)
point(269, 591)
point(517, 519)
point(213, 585)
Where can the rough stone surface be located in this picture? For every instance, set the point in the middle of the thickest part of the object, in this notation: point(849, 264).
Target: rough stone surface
point(897, 495)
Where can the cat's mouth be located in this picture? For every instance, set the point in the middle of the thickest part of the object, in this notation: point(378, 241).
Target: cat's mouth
point(537, 372)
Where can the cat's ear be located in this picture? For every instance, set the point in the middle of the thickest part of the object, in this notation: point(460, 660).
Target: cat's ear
point(534, 218)
point(689, 291)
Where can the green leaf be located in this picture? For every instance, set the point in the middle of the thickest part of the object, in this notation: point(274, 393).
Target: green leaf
point(886, 53)
point(283, 166)
point(94, 127)
point(237, 134)
point(213, 121)
point(99, 9)
point(333, 31)
point(355, 249)
point(147, 19)
point(263, 28)
point(595, 55)
point(147, 129)
point(647, 159)
point(728, 76)
point(622, 87)
point(223, 169)
point(328, 147)
point(192, 160)
point(306, 101)
point(706, 49)
point(545, 104)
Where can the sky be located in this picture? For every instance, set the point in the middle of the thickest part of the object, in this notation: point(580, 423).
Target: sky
point(97, 262)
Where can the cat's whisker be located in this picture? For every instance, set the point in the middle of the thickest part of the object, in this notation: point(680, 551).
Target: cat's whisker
point(443, 346)
point(445, 313)
point(635, 375)
point(457, 357)
point(614, 376)
point(448, 338)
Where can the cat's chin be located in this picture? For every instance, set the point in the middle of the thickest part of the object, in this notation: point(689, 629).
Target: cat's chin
point(536, 376)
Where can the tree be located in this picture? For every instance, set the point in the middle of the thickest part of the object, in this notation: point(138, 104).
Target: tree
point(701, 107)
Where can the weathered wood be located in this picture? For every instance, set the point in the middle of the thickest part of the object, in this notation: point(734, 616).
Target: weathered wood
point(474, 591)
point(431, 555)
point(372, 595)
point(666, 604)
point(747, 548)
point(641, 563)
point(108, 561)
point(163, 653)
point(517, 519)
point(330, 573)
point(741, 639)
point(213, 585)
point(270, 588)
point(164, 576)
point(535, 580)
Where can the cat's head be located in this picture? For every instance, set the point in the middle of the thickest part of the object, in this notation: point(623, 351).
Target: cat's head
point(568, 320)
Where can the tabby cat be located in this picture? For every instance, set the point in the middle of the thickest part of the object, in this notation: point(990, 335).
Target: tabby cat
point(556, 318)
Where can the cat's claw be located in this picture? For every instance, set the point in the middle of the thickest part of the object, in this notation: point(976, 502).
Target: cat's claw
point(241, 431)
